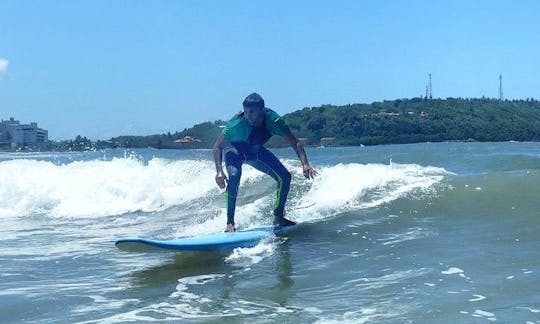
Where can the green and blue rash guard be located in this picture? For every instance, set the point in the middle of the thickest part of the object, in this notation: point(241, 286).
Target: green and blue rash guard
point(246, 138)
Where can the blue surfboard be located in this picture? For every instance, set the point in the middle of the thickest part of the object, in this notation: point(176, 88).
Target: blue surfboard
point(210, 242)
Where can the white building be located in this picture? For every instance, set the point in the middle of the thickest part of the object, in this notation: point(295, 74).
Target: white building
point(13, 133)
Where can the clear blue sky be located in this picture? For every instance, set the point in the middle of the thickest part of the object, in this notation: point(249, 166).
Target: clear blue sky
point(103, 68)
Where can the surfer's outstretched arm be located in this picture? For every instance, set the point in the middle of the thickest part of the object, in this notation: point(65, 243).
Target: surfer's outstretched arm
point(298, 147)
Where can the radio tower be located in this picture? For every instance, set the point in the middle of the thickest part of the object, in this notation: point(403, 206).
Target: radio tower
point(429, 88)
point(500, 88)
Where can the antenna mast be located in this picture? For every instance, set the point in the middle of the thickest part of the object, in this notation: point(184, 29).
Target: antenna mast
point(500, 88)
point(430, 88)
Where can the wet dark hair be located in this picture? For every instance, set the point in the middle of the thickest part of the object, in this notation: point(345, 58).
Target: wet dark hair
point(253, 100)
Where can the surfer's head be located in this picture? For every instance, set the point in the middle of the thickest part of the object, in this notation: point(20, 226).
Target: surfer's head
point(254, 109)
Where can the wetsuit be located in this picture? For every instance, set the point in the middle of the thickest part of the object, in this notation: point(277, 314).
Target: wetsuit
point(247, 147)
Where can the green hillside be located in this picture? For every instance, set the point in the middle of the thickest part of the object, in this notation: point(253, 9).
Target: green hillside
point(391, 121)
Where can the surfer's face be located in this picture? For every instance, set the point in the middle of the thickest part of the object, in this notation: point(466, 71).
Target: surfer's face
point(254, 115)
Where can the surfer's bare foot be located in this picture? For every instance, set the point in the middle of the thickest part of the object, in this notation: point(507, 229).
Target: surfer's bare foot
point(230, 228)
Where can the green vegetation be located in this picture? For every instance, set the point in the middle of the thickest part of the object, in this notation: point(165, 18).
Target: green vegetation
point(203, 135)
point(419, 120)
point(388, 122)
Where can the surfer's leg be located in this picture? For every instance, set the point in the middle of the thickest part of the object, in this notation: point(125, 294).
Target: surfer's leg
point(268, 163)
point(233, 165)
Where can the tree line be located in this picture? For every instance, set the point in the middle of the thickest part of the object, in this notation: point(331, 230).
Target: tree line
point(420, 120)
point(387, 122)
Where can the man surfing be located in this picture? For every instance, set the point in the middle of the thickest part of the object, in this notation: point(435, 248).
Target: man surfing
point(242, 142)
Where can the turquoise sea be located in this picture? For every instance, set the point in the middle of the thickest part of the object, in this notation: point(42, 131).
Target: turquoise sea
point(420, 233)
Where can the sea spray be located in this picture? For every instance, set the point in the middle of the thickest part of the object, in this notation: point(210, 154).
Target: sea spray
point(99, 188)
point(352, 186)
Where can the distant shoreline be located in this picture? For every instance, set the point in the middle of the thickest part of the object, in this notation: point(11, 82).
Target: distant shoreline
point(272, 147)
point(401, 121)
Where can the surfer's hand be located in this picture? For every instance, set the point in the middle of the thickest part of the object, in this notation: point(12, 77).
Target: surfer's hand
point(309, 172)
point(221, 180)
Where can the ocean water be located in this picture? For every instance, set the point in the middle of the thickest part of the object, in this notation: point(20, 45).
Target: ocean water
point(422, 233)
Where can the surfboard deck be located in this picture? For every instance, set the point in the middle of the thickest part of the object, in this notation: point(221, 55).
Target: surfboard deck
point(209, 242)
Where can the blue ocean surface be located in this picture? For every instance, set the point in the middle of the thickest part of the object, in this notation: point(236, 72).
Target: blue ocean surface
point(419, 233)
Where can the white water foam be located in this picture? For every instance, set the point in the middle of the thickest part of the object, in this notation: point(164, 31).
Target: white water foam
point(371, 314)
point(356, 186)
point(477, 298)
point(184, 283)
point(410, 234)
point(388, 279)
point(246, 257)
point(254, 214)
point(336, 189)
point(97, 188)
point(85, 189)
point(452, 270)
point(481, 313)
